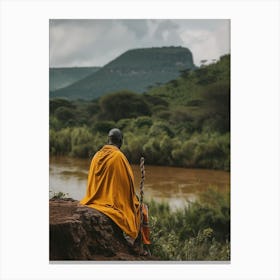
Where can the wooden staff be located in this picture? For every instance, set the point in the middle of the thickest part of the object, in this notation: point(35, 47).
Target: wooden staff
point(142, 167)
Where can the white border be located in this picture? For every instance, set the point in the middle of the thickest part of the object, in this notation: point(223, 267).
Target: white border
point(255, 138)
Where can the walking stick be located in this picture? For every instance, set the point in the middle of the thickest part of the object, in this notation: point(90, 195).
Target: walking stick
point(142, 168)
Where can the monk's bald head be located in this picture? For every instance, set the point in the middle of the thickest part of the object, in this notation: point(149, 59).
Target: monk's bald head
point(115, 137)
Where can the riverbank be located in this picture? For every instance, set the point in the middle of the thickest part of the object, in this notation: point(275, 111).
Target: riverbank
point(199, 232)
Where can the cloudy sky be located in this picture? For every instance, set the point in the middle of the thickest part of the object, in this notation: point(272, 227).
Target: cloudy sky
point(97, 42)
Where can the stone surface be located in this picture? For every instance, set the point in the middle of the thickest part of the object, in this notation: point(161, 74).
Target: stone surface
point(82, 233)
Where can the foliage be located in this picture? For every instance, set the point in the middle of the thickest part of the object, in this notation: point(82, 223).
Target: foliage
point(64, 114)
point(58, 195)
point(201, 231)
point(74, 141)
point(198, 232)
point(60, 102)
point(123, 104)
point(184, 123)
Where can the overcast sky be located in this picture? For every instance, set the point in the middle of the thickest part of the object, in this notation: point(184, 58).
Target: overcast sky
point(97, 42)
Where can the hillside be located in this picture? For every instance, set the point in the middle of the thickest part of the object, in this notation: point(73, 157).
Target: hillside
point(135, 70)
point(186, 90)
point(185, 122)
point(63, 77)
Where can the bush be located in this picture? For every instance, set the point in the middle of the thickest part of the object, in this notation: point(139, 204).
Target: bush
point(125, 124)
point(77, 142)
point(216, 99)
point(103, 126)
point(143, 121)
point(123, 104)
point(83, 150)
point(92, 108)
point(65, 114)
point(154, 100)
point(164, 115)
point(199, 232)
point(204, 151)
point(133, 147)
point(81, 142)
point(60, 141)
point(60, 102)
point(160, 128)
point(152, 150)
point(55, 124)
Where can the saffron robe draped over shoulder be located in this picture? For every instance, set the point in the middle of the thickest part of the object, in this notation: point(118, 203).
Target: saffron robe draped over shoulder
point(110, 189)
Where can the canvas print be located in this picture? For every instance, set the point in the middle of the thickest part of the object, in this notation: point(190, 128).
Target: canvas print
point(139, 140)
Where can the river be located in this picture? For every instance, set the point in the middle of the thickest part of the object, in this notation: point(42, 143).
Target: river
point(177, 186)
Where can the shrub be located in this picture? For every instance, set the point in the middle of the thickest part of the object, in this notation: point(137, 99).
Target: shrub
point(180, 115)
point(82, 150)
point(194, 233)
point(164, 114)
point(65, 114)
point(152, 149)
point(55, 123)
point(160, 128)
point(123, 104)
point(60, 102)
point(143, 121)
point(155, 100)
point(60, 141)
point(125, 124)
point(133, 148)
point(103, 126)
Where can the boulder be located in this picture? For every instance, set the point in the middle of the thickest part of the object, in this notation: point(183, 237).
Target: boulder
point(81, 233)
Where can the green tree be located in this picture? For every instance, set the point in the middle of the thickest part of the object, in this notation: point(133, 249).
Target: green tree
point(103, 126)
point(65, 115)
point(60, 102)
point(217, 105)
point(123, 104)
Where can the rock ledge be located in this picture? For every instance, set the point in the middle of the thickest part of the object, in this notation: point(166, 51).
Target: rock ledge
point(82, 233)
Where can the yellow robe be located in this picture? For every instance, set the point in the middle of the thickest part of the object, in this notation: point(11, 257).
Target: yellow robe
point(110, 189)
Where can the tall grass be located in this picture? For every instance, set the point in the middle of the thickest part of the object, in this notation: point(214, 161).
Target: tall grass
point(199, 232)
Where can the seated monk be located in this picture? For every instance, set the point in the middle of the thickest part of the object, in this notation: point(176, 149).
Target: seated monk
point(110, 189)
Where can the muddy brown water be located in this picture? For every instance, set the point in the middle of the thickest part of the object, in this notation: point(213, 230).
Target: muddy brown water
point(177, 186)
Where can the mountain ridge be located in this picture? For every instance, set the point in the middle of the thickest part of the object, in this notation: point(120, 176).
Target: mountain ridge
point(60, 77)
point(134, 70)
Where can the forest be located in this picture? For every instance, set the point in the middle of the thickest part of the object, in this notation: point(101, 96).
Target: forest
point(184, 122)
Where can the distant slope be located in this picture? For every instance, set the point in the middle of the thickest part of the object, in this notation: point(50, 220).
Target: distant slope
point(134, 70)
point(63, 77)
point(185, 90)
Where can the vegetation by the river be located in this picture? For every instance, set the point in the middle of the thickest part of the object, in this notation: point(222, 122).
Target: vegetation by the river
point(200, 232)
point(185, 122)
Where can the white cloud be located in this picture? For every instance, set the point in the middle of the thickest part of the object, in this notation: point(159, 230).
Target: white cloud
point(97, 42)
point(207, 44)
